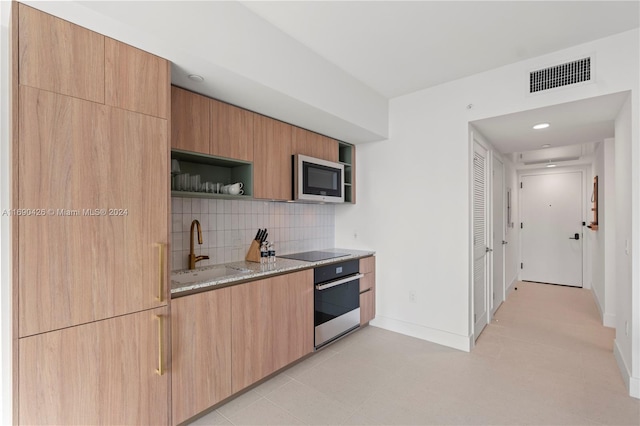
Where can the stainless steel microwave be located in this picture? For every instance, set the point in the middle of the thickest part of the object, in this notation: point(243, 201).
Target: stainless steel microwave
point(317, 180)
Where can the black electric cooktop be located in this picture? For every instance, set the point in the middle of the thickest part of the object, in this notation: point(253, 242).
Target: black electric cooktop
point(314, 256)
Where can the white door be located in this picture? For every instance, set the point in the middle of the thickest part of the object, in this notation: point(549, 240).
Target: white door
point(551, 222)
point(480, 249)
point(497, 291)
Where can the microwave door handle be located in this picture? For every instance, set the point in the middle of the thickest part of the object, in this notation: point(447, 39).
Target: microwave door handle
point(338, 282)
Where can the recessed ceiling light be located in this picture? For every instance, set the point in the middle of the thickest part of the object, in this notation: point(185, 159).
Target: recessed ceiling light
point(546, 145)
point(541, 126)
point(551, 165)
point(197, 78)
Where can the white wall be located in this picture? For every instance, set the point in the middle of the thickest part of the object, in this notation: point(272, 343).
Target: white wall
point(609, 222)
point(602, 241)
point(512, 254)
point(595, 239)
point(413, 189)
point(627, 323)
point(5, 236)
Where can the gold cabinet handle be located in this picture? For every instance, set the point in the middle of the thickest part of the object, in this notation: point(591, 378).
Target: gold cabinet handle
point(160, 369)
point(160, 271)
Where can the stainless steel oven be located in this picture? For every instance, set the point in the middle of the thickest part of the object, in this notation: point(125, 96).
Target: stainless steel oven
point(337, 300)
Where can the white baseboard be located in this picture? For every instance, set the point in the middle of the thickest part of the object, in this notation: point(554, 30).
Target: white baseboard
point(634, 387)
point(511, 286)
point(596, 297)
point(455, 341)
point(609, 320)
point(632, 383)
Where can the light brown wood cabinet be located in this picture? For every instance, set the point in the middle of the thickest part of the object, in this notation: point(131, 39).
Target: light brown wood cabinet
point(367, 289)
point(314, 145)
point(272, 325)
point(231, 131)
point(59, 56)
point(90, 271)
point(136, 80)
point(190, 115)
point(98, 373)
point(240, 134)
point(99, 175)
point(201, 352)
point(272, 163)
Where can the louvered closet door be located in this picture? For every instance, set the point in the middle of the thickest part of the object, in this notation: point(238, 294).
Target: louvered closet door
point(479, 238)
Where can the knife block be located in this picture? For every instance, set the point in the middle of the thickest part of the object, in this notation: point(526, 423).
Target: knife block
point(253, 254)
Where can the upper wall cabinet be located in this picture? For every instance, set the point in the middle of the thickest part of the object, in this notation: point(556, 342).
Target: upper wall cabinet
point(189, 121)
point(64, 58)
point(313, 144)
point(60, 57)
point(136, 80)
point(231, 131)
point(272, 165)
point(206, 126)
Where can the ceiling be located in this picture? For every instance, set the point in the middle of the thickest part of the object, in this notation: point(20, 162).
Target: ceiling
point(574, 123)
point(399, 47)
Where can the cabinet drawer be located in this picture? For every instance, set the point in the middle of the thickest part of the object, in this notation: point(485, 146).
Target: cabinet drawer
point(367, 265)
point(368, 281)
point(367, 306)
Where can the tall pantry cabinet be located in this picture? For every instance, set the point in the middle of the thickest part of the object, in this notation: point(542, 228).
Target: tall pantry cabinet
point(90, 227)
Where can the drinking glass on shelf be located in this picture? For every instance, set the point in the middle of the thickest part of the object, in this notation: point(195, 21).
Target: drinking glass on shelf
point(195, 183)
point(184, 182)
point(175, 167)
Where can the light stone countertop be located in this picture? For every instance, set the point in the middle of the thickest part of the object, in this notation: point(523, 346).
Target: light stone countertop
point(207, 278)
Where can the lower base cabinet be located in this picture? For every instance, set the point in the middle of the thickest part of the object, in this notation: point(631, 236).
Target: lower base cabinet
point(367, 306)
point(367, 289)
point(201, 352)
point(272, 325)
point(102, 372)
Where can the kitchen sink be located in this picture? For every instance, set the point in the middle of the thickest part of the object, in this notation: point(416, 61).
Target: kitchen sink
point(207, 274)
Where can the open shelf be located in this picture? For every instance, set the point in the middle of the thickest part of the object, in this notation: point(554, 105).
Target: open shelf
point(214, 169)
point(346, 157)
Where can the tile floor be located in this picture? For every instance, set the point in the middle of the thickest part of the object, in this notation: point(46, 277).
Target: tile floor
point(544, 360)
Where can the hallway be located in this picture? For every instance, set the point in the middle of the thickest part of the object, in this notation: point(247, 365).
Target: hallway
point(561, 357)
point(544, 360)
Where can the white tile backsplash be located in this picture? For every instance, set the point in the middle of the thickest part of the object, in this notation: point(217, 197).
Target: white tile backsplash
point(228, 226)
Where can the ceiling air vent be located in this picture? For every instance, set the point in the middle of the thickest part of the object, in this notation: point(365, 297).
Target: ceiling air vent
point(560, 75)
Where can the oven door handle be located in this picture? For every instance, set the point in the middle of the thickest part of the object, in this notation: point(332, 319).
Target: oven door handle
point(338, 282)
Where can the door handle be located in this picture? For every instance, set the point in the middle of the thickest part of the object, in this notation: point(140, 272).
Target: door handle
point(160, 370)
point(576, 236)
point(338, 282)
point(505, 242)
point(488, 250)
